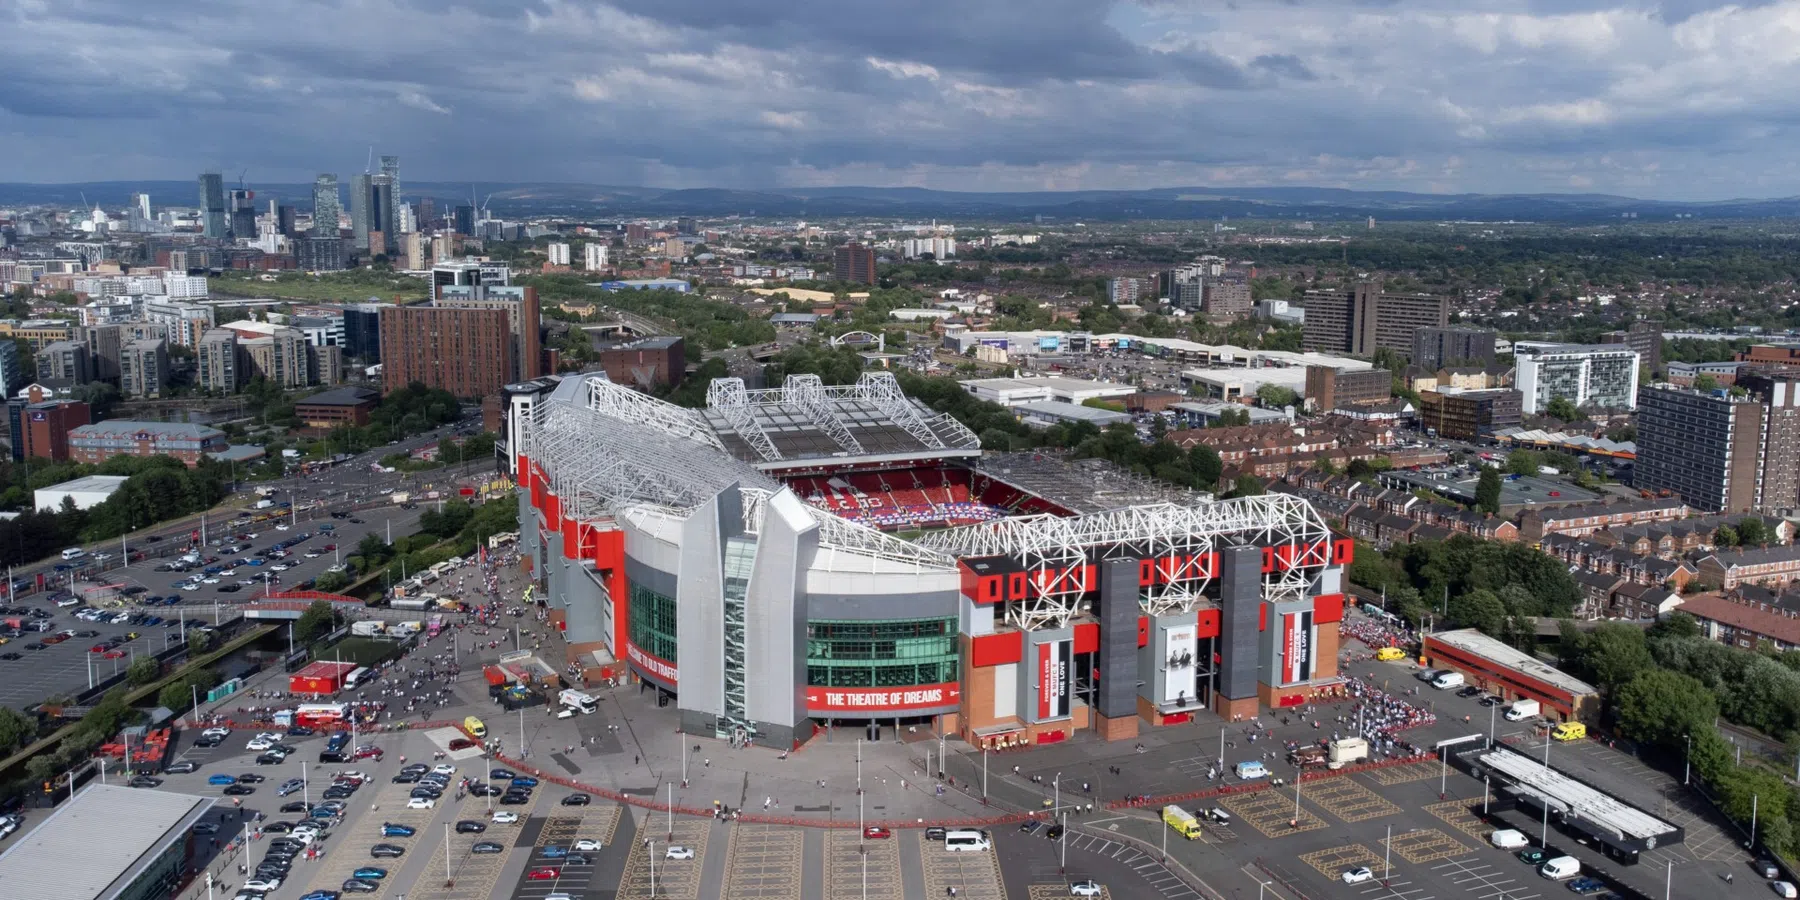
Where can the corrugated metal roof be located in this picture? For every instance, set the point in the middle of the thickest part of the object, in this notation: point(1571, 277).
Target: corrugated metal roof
point(97, 843)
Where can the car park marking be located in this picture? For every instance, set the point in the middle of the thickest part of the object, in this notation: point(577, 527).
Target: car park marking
point(1271, 813)
point(1424, 845)
point(1484, 879)
point(1147, 866)
point(1348, 800)
point(844, 856)
point(1061, 892)
point(675, 879)
point(471, 876)
point(1426, 768)
point(1332, 861)
point(1394, 889)
point(764, 862)
point(1460, 814)
point(350, 847)
point(975, 875)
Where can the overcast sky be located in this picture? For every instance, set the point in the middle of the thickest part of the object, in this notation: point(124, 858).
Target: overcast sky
point(1677, 99)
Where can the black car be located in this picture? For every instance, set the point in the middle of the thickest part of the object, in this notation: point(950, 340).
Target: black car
point(577, 800)
point(338, 793)
point(1469, 691)
point(296, 806)
point(250, 778)
point(429, 793)
point(470, 826)
point(238, 790)
point(10, 655)
point(1054, 831)
point(514, 799)
point(145, 781)
point(333, 756)
point(1491, 700)
point(406, 778)
point(209, 742)
point(35, 645)
point(487, 847)
point(359, 886)
point(277, 828)
point(300, 731)
point(387, 851)
point(270, 759)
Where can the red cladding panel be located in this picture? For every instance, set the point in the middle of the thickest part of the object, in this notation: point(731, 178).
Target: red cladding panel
point(1268, 560)
point(524, 472)
point(571, 532)
point(1343, 552)
point(552, 511)
point(997, 649)
point(1262, 617)
point(1328, 608)
point(1209, 624)
point(1087, 637)
point(1143, 631)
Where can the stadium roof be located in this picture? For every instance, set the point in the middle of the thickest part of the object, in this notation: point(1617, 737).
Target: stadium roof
point(1080, 485)
point(98, 843)
point(805, 422)
point(1574, 800)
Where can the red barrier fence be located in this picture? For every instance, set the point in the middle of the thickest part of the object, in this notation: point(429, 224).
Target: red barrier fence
point(1226, 790)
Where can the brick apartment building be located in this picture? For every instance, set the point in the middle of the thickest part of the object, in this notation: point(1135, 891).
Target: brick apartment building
point(467, 352)
point(1470, 415)
point(1773, 565)
point(651, 362)
point(854, 262)
point(41, 430)
point(1328, 388)
point(99, 442)
point(1747, 618)
point(1358, 320)
point(337, 408)
point(1586, 519)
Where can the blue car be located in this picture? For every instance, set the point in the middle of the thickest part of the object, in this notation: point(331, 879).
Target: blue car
point(256, 562)
point(524, 781)
point(554, 852)
point(389, 829)
point(320, 895)
point(370, 873)
point(222, 779)
point(498, 774)
point(321, 812)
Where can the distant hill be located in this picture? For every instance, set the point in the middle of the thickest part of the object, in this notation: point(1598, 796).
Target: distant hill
point(599, 202)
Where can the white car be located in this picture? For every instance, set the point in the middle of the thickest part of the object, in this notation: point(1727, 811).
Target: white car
point(678, 852)
point(1357, 875)
point(589, 844)
point(1089, 888)
point(210, 579)
point(280, 527)
point(304, 837)
point(313, 554)
point(421, 803)
point(259, 744)
point(281, 567)
point(216, 732)
point(257, 884)
point(228, 573)
point(506, 818)
point(352, 774)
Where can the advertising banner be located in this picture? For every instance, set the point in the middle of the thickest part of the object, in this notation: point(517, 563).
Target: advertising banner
point(1178, 663)
point(1296, 647)
point(882, 701)
point(657, 667)
point(1055, 668)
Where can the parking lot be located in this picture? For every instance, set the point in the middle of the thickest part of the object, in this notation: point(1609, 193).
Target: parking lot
point(460, 874)
point(764, 863)
point(675, 879)
point(974, 875)
point(350, 846)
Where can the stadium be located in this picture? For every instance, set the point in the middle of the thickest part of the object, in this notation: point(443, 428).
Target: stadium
point(805, 557)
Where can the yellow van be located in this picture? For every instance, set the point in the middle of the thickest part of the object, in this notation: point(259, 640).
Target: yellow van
point(474, 727)
point(1569, 731)
point(1185, 823)
point(1389, 654)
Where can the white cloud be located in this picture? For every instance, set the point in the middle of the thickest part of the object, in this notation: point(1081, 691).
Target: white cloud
point(418, 100)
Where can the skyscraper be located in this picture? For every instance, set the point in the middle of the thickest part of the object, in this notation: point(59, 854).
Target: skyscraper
point(362, 209)
point(242, 207)
point(1433, 348)
point(854, 262)
point(427, 214)
point(212, 206)
point(390, 167)
point(381, 202)
point(465, 220)
point(325, 207)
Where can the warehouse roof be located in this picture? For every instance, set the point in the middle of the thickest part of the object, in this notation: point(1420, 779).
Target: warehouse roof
point(1502, 654)
point(343, 396)
point(62, 859)
point(158, 430)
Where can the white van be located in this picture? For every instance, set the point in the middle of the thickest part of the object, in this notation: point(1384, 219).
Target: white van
point(74, 553)
point(1560, 868)
point(1521, 710)
point(1447, 680)
point(1509, 839)
point(967, 841)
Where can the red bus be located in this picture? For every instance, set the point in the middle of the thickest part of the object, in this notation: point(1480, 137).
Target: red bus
point(315, 715)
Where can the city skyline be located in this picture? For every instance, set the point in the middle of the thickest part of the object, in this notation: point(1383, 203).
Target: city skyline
point(1493, 96)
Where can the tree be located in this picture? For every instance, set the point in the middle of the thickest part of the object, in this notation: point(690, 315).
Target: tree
point(143, 670)
point(1247, 485)
point(1659, 707)
point(15, 730)
point(1562, 409)
point(1275, 396)
point(1617, 653)
point(1487, 491)
point(1705, 383)
point(316, 621)
point(1481, 609)
point(1753, 533)
point(331, 581)
point(1725, 536)
point(200, 641)
point(1524, 462)
point(1204, 462)
point(1677, 625)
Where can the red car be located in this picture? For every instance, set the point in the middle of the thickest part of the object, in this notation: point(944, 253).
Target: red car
point(543, 874)
point(113, 654)
point(329, 547)
point(97, 648)
point(368, 753)
point(876, 831)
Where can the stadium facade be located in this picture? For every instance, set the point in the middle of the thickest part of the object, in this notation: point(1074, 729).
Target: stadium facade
point(742, 560)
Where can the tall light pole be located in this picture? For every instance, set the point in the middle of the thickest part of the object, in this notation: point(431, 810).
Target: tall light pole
point(652, 845)
point(1387, 852)
point(1687, 760)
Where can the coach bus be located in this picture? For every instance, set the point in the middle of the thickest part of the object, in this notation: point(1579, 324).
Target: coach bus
point(316, 715)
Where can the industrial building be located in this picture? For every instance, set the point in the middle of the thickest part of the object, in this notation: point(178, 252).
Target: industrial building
point(86, 492)
point(740, 560)
point(109, 842)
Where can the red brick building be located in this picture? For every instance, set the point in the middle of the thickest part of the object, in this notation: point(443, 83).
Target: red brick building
point(467, 352)
point(43, 428)
point(646, 363)
point(337, 408)
point(189, 443)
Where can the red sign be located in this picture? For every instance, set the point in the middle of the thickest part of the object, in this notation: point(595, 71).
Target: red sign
point(660, 668)
point(882, 700)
